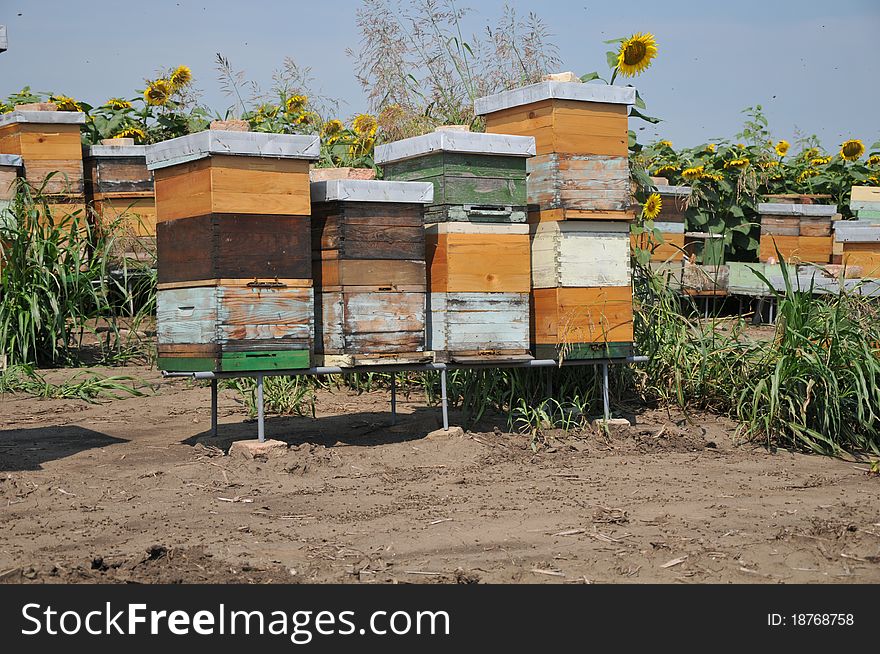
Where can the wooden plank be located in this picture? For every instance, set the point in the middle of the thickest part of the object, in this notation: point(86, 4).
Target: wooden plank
point(186, 315)
point(252, 185)
point(136, 216)
point(537, 215)
point(183, 191)
point(859, 193)
point(670, 249)
point(581, 315)
point(475, 322)
point(581, 351)
point(462, 262)
point(265, 360)
point(579, 182)
point(580, 254)
point(123, 175)
point(264, 313)
point(329, 322)
point(369, 272)
point(813, 249)
point(780, 225)
point(815, 227)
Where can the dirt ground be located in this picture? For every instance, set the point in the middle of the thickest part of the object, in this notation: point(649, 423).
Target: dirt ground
point(137, 490)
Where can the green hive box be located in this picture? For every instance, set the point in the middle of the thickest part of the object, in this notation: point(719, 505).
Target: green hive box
point(477, 177)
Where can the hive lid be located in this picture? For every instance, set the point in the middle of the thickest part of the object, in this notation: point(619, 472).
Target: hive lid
point(249, 144)
point(116, 151)
point(809, 210)
point(679, 191)
point(45, 117)
point(372, 190)
point(856, 231)
point(577, 91)
point(453, 141)
point(13, 160)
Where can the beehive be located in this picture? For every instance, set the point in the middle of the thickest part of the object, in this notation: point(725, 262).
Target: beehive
point(671, 224)
point(476, 177)
point(476, 238)
point(368, 250)
point(10, 170)
point(234, 251)
point(48, 142)
point(579, 207)
point(865, 203)
point(119, 188)
point(800, 232)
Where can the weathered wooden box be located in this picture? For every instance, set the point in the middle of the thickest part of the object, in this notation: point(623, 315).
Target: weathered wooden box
point(10, 170)
point(120, 187)
point(580, 130)
point(478, 276)
point(572, 262)
point(377, 316)
point(800, 232)
point(234, 251)
point(48, 142)
point(477, 177)
point(865, 202)
point(857, 243)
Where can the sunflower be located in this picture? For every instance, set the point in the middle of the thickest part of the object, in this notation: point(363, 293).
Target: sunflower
point(875, 180)
point(157, 93)
point(636, 53)
point(135, 133)
point(693, 173)
point(65, 103)
point(820, 161)
point(742, 162)
point(664, 170)
point(295, 104)
point(331, 130)
point(852, 149)
point(741, 146)
point(362, 147)
point(364, 125)
point(305, 118)
point(874, 160)
point(810, 153)
point(651, 208)
point(714, 177)
point(768, 164)
point(710, 147)
point(804, 176)
point(665, 143)
point(118, 103)
point(782, 147)
point(181, 76)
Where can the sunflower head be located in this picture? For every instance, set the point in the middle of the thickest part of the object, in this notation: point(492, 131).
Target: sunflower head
point(665, 143)
point(331, 130)
point(65, 103)
point(691, 174)
point(852, 149)
point(664, 170)
point(135, 133)
point(651, 208)
point(739, 163)
point(361, 147)
point(874, 160)
point(769, 164)
point(158, 93)
point(804, 176)
point(782, 147)
point(180, 77)
point(295, 104)
point(820, 161)
point(710, 147)
point(364, 125)
point(118, 103)
point(875, 180)
point(635, 54)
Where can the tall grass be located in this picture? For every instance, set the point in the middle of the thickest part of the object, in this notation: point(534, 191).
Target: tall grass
point(60, 281)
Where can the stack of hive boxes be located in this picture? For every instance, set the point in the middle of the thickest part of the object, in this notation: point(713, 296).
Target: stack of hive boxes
point(48, 141)
point(579, 213)
point(801, 232)
point(857, 242)
point(476, 238)
point(119, 188)
point(234, 246)
point(368, 250)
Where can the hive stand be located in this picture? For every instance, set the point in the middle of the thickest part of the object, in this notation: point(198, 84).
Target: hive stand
point(368, 249)
point(476, 238)
point(234, 245)
point(579, 213)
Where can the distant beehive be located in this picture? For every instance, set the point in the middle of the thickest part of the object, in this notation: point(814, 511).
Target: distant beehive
point(51, 150)
point(671, 223)
point(234, 251)
point(10, 170)
point(120, 189)
point(579, 210)
point(857, 242)
point(476, 238)
point(800, 232)
point(368, 249)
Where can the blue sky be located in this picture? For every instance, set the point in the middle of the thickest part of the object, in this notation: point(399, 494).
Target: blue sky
point(812, 65)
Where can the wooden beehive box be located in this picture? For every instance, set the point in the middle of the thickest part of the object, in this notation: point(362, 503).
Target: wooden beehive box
point(670, 223)
point(478, 299)
point(10, 170)
point(865, 202)
point(477, 177)
point(48, 142)
point(800, 232)
point(120, 187)
point(368, 249)
point(857, 243)
point(581, 169)
point(584, 261)
point(234, 251)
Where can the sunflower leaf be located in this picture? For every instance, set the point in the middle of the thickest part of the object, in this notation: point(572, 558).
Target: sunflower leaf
point(611, 58)
point(589, 77)
point(635, 113)
point(640, 103)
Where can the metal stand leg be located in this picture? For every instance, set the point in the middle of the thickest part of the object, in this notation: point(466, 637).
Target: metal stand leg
point(549, 388)
point(213, 407)
point(393, 398)
point(261, 421)
point(606, 404)
point(443, 401)
point(771, 310)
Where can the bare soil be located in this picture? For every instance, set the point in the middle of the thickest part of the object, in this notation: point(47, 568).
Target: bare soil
point(136, 490)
